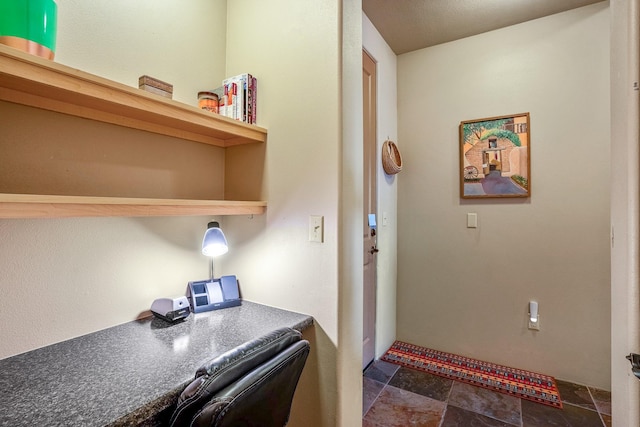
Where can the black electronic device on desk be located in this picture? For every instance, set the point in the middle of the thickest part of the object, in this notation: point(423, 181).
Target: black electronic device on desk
point(213, 294)
point(171, 309)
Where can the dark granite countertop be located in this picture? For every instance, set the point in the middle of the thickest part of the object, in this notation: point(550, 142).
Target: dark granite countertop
point(127, 374)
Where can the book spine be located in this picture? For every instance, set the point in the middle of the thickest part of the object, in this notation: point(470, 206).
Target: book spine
point(249, 99)
point(228, 95)
point(254, 101)
point(234, 100)
point(241, 109)
point(240, 96)
point(245, 97)
point(222, 105)
point(227, 100)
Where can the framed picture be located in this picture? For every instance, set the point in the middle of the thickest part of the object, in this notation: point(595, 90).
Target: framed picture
point(494, 157)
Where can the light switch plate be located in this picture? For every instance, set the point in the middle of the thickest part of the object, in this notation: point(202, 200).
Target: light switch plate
point(472, 220)
point(316, 228)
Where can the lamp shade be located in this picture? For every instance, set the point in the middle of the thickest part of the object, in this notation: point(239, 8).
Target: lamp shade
point(214, 242)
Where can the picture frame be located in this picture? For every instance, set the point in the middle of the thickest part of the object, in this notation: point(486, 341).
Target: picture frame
point(495, 157)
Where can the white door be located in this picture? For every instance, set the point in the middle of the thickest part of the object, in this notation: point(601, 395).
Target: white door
point(370, 191)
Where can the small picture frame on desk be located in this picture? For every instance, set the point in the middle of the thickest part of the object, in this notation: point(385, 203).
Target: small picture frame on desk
point(213, 294)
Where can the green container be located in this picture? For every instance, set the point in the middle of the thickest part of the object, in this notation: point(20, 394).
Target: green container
point(29, 25)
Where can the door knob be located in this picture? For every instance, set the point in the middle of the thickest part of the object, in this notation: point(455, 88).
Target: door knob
point(373, 250)
point(635, 364)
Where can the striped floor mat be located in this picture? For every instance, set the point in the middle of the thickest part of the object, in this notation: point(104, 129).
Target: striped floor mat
point(516, 382)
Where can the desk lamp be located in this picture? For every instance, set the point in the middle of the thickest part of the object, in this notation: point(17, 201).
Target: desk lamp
point(214, 243)
point(213, 294)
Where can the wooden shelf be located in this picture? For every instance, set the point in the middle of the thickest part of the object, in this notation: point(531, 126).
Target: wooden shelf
point(29, 80)
point(36, 82)
point(47, 206)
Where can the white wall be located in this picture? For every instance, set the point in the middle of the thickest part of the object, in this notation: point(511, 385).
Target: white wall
point(625, 310)
point(387, 127)
point(123, 40)
point(295, 50)
point(350, 254)
point(466, 290)
point(67, 277)
point(292, 47)
point(63, 278)
point(295, 75)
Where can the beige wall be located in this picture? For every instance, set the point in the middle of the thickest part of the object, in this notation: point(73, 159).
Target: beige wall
point(52, 153)
point(111, 269)
point(466, 290)
point(279, 265)
point(625, 309)
point(351, 222)
point(62, 278)
point(306, 56)
point(293, 48)
point(560, 76)
point(67, 277)
point(387, 127)
point(123, 40)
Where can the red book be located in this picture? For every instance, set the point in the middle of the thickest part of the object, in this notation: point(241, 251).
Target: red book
point(254, 102)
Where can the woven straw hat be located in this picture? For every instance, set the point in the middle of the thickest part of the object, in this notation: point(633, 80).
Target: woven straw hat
point(391, 159)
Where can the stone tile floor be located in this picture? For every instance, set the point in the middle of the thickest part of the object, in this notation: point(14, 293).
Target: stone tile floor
point(397, 396)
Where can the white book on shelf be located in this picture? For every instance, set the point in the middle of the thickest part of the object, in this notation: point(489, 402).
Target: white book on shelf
point(242, 104)
point(234, 97)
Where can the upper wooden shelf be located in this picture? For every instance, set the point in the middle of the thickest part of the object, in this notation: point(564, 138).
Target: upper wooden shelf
point(36, 82)
point(47, 206)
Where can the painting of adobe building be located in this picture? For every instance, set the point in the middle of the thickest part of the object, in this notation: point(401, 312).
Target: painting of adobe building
point(494, 157)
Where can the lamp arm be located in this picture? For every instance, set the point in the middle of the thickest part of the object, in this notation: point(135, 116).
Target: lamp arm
point(211, 268)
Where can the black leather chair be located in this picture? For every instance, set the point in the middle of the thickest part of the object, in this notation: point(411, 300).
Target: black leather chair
point(251, 385)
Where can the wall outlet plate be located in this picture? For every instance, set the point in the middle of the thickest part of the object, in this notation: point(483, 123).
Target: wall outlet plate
point(534, 326)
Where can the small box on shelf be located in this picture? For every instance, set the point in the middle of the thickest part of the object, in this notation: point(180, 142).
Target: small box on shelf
point(153, 85)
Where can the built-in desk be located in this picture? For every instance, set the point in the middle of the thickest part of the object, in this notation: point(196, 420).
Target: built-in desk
point(130, 374)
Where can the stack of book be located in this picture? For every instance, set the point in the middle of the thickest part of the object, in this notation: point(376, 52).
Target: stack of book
point(238, 96)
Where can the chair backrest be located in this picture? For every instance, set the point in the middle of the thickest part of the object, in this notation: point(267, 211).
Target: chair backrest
point(251, 385)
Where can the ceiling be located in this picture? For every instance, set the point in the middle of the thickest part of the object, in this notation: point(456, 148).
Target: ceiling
point(408, 25)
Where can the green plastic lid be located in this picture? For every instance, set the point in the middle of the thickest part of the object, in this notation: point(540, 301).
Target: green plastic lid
point(33, 20)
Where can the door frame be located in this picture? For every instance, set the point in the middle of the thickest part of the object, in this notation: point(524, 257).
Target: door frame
point(370, 193)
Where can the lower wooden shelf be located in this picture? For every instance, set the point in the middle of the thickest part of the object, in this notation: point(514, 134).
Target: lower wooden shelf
point(50, 206)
